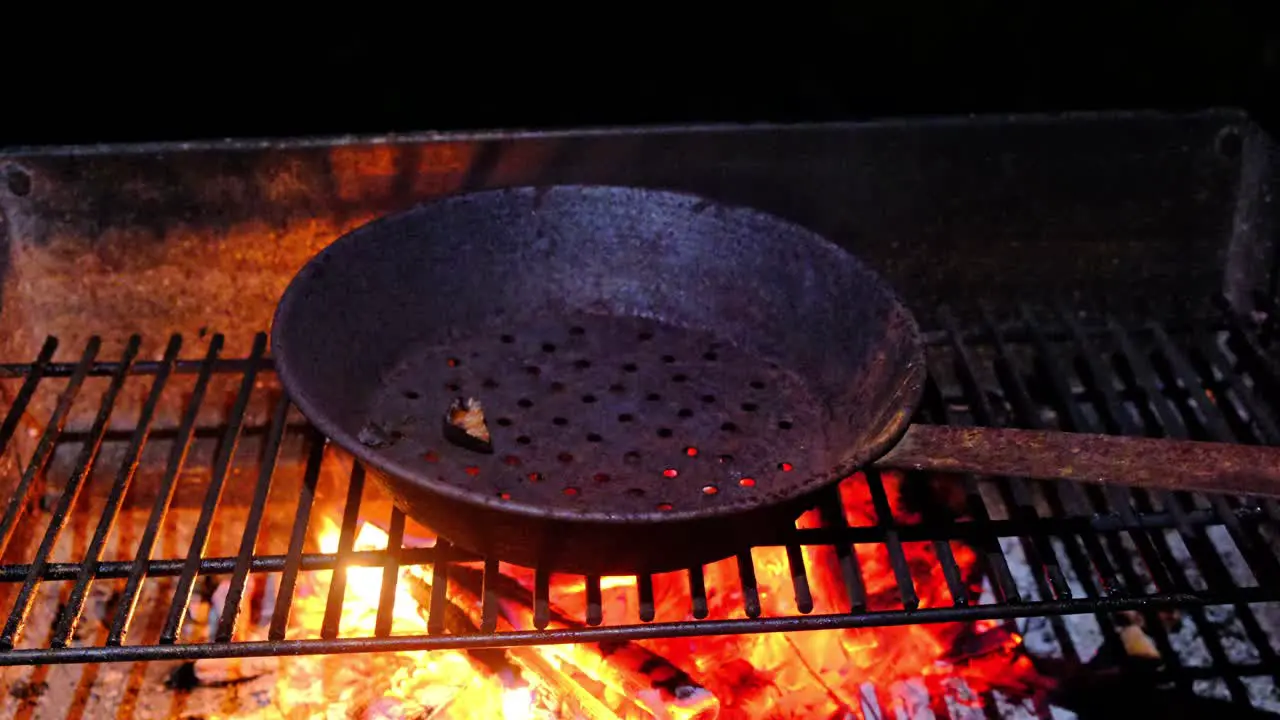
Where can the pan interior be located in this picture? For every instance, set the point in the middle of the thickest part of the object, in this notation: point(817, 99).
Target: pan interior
point(615, 416)
point(761, 341)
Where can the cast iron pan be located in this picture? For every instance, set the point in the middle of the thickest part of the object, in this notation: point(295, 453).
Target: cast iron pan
point(663, 379)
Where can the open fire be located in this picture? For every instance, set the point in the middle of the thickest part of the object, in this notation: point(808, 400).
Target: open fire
point(775, 675)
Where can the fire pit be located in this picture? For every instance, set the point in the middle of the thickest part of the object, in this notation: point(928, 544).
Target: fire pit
point(170, 521)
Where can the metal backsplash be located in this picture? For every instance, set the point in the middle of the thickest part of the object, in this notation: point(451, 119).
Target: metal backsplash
point(1099, 209)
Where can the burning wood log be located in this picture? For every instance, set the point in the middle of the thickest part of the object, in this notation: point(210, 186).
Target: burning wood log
point(630, 669)
point(507, 663)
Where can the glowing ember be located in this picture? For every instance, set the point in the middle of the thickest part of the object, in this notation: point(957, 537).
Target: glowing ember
point(814, 674)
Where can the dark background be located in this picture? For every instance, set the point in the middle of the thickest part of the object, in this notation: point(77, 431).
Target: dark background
point(211, 72)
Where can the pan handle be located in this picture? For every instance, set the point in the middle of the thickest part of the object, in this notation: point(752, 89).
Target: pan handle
point(1048, 455)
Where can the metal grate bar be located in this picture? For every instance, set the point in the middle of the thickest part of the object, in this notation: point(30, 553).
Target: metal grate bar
point(346, 540)
point(390, 575)
point(750, 587)
point(799, 578)
point(897, 560)
point(644, 593)
point(440, 587)
point(236, 366)
point(177, 458)
point(1165, 422)
point(75, 603)
point(489, 602)
point(293, 558)
point(1049, 578)
point(692, 628)
point(959, 532)
point(832, 512)
point(1005, 589)
point(40, 457)
point(1097, 376)
point(84, 465)
point(23, 398)
point(1105, 398)
point(595, 601)
point(1248, 619)
point(1262, 563)
point(541, 594)
point(249, 538)
point(698, 593)
point(1205, 558)
point(1098, 380)
point(200, 537)
point(1092, 565)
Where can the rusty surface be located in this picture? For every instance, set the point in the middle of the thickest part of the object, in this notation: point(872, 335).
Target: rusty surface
point(199, 238)
point(1048, 455)
point(664, 373)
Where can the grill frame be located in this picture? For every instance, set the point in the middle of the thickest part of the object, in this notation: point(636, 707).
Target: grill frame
point(1056, 335)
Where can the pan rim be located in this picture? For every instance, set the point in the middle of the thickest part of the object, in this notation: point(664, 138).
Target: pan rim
point(910, 392)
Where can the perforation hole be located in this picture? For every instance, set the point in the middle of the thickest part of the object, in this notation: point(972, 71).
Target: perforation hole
point(452, 387)
point(724, 459)
point(548, 347)
point(635, 492)
point(710, 489)
point(670, 473)
point(572, 491)
point(559, 421)
point(535, 477)
point(750, 407)
point(601, 477)
point(453, 362)
point(747, 482)
point(565, 457)
point(533, 370)
point(431, 456)
point(617, 388)
point(558, 386)
point(710, 356)
point(589, 398)
point(729, 427)
point(411, 394)
point(653, 397)
point(631, 457)
point(582, 364)
point(576, 331)
point(679, 377)
point(489, 383)
point(524, 440)
point(645, 336)
point(472, 470)
point(594, 437)
point(525, 403)
point(507, 339)
point(666, 507)
point(691, 451)
point(626, 418)
point(504, 421)
point(685, 413)
point(511, 460)
point(757, 384)
point(708, 399)
point(668, 359)
point(665, 432)
point(786, 466)
point(504, 496)
point(631, 367)
point(784, 425)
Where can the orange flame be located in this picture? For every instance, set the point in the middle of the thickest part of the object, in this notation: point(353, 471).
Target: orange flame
point(813, 674)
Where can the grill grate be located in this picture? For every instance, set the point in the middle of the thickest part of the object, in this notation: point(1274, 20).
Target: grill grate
point(1047, 550)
